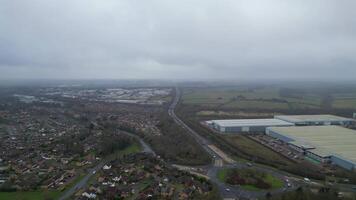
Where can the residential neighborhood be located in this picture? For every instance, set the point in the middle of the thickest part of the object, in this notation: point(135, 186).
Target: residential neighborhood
point(141, 176)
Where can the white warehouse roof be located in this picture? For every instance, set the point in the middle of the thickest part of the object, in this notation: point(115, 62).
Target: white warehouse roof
point(327, 140)
point(311, 118)
point(250, 122)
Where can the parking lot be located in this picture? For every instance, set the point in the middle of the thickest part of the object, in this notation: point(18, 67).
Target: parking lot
point(278, 146)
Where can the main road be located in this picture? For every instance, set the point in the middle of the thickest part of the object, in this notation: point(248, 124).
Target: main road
point(218, 156)
point(199, 139)
point(83, 182)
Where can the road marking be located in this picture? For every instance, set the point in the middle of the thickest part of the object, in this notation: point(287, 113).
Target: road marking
point(225, 157)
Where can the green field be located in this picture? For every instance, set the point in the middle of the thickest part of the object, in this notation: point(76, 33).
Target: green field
point(345, 103)
point(268, 98)
point(35, 195)
point(223, 95)
point(134, 148)
point(245, 104)
point(253, 148)
point(242, 98)
point(222, 174)
point(273, 181)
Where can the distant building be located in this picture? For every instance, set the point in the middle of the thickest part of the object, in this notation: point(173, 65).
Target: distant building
point(245, 125)
point(334, 144)
point(311, 120)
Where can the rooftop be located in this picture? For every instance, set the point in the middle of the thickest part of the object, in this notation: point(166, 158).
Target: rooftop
point(251, 122)
point(327, 140)
point(313, 118)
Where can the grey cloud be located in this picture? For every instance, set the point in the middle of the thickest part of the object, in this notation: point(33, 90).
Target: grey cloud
point(229, 39)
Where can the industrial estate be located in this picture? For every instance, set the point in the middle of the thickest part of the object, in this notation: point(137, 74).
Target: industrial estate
point(116, 142)
point(321, 138)
point(323, 143)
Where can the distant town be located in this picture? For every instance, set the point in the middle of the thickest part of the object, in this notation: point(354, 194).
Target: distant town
point(176, 142)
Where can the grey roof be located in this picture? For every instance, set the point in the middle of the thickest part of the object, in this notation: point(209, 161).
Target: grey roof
point(251, 122)
point(311, 118)
point(327, 140)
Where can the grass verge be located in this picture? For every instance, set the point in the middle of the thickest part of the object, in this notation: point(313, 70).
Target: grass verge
point(275, 182)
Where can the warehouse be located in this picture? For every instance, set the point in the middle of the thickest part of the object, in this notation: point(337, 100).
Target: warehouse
point(245, 125)
point(321, 143)
point(315, 120)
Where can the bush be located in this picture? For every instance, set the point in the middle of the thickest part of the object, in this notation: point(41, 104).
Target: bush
point(109, 143)
point(247, 177)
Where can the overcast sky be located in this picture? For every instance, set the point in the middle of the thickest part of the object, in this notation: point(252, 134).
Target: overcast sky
point(181, 39)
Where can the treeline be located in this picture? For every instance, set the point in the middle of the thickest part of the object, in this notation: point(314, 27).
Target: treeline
point(295, 168)
point(292, 93)
point(176, 145)
point(112, 142)
point(108, 142)
point(307, 194)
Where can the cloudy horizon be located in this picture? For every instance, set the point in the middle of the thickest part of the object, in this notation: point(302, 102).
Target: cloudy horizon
point(160, 39)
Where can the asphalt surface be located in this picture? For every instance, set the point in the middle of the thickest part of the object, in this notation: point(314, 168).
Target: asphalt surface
point(91, 172)
point(199, 139)
point(145, 146)
point(227, 191)
point(82, 183)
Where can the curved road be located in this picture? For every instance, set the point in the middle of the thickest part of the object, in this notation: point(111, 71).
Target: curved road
point(226, 191)
point(83, 182)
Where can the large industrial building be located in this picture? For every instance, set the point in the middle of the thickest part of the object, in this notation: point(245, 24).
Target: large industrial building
point(246, 125)
point(311, 120)
point(322, 143)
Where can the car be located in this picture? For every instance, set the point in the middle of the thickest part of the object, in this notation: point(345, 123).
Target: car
point(306, 179)
point(289, 185)
point(227, 189)
point(94, 172)
point(249, 164)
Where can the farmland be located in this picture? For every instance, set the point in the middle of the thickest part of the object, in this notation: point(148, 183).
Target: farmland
point(269, 99)
point(239, 102)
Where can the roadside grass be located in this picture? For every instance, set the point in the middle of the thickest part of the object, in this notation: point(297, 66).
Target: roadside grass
point(31, 195)
point(275, 182)
point(39, 194)
point(253, 148)
point(250, 188)
point(73, 182)
point(134, 148)
point(222, 174)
